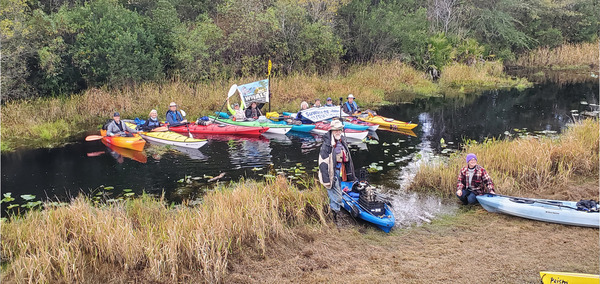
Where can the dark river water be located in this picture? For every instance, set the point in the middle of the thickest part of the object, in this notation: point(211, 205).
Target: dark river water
point(64, 172)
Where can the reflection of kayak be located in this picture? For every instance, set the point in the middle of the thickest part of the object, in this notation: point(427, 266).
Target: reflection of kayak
point(217, 128)
point(127, 153)
point(228, 137)
point(401, 131)
point(566, 277)
point(354, 120)
point(274, 128)
point(554, 211)
point(322, 128)
point(387, 122)
point(171, 138)
point(375, 212)
point(134, 143)
point(299, 128)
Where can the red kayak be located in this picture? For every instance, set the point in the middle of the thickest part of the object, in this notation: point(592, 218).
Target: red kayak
point(216, 128)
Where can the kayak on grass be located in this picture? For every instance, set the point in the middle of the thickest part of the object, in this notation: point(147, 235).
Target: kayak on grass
point(386, 122)
point(364, 205)
point(134, 143)
point(323, 127)
point(554, 211)
point(171, 138)
point(217, 128)
point(567, 277)
point(274, 128)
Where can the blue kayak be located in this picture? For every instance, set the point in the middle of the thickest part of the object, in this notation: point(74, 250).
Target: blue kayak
point(299, 128)
point(554, 211)
point(385, 220)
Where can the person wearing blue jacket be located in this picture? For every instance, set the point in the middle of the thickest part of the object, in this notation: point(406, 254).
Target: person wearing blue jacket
point(350, 107)
point(174, 117)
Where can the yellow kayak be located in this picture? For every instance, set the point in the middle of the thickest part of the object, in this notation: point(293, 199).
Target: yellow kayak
point(566, 277)
point(387, 122)
point(171, 138)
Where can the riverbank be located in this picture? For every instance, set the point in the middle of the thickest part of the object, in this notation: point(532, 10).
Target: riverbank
point(52, 122)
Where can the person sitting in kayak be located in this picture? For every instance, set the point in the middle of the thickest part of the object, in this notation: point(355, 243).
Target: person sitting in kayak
point(253, 111)
point(471, 181)
point(118, 128)
point(175, 117)
point(335, 165)
point(317, 103)
point(299, 117)
point(152, 122)
point(329, 103)
point(350, 107)
point(237, 111)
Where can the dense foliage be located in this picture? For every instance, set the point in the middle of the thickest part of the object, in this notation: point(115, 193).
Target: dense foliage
point(65, 46)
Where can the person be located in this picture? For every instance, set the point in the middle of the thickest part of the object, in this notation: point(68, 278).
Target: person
point(335, 165)
point(118, 128)
point(471, 181)
point(329, 102)
point(350, 107)
point(174, 117)
point(152, 122)
point(317, 103)
point(303, 106)
point(253, 111)
point(236, 111)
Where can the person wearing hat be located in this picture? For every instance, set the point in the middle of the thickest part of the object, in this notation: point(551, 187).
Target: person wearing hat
point(152, 122)
point(473, 180)
point(253, 111)
point(175, 117)
point(117, 128)
point(350, 107)
point(317, 103)
point(329, 102)
point(236, 111)
point(335, 165)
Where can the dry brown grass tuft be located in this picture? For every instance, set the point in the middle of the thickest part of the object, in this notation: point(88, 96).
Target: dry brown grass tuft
point(526, 166)
point(481, 75)
point(146, 239)
point(566, 55)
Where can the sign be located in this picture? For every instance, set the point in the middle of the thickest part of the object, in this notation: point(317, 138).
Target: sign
point(322, 113)
point(254, 92)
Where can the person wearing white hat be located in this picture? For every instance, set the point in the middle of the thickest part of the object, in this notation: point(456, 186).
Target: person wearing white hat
point(175, 117)
point(350, 107)
point(335, 165)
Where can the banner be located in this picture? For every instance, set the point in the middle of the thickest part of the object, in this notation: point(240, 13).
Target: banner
point(254, 92)
point(317, 114)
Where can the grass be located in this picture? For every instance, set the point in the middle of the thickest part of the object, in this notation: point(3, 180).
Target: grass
point(532, 167)
point(146, 240)
point(46, 122)
point(566, 56)
point(481, 76)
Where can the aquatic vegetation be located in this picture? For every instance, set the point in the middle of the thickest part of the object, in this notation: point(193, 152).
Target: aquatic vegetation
point(566, 56)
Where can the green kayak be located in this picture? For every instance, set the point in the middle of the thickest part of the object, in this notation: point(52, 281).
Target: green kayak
point(273, 127)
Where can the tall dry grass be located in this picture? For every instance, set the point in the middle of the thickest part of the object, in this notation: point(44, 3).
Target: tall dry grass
point(144, 240)
point(566, 55)
point(483, 75)
point(535, 167)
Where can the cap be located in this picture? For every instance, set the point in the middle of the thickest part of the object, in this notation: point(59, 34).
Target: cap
point(351, 96)
point(471, 156)
point(172, 104)
point(116, 114)
point(336, 125)
point(235, 104)
point(329, 98)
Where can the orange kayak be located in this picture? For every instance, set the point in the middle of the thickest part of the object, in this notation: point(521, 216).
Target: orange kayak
point(134, 143)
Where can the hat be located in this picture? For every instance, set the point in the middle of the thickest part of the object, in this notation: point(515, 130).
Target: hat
point(116, 114)
point(351, 96)
point(329, 98)
point(336, 125)
point(235, 104)
point(471, 156)
point(172, 104)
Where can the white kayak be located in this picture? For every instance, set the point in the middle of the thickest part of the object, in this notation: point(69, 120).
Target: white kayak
point(554, 211)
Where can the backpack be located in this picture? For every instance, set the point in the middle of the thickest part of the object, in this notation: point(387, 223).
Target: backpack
point(587, 205)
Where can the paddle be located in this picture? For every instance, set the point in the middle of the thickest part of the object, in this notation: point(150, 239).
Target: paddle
point(160, 129)
point(231, 92)
point(93, 137)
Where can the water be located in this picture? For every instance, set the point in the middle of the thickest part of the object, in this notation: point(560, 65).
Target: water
point(61, 173)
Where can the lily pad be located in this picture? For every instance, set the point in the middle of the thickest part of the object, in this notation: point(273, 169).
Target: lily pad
point(391, 164)
point(28, 196)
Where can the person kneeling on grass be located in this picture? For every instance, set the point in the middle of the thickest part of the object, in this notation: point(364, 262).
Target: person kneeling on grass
point(118, 128)
point(473, 180)
point(335, 165)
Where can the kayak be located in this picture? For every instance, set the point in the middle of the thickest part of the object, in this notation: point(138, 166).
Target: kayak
point(274, 128)
point(298, 128)
point(118, 152)
point(354, 120)
point(387, 122)
point(217, 128)
point(567, 277)
point(323, 127)
point(134, 143)
point(376, 212)
point(171, 138)
point(554, 211)
point(355, 126)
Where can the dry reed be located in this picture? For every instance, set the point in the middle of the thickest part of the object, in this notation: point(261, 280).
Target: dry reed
point(564, 56)
point(484, 75)
point(143, 238)
point(534, 167)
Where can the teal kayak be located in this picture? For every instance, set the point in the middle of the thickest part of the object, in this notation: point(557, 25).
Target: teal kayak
point(274, 128)
point(299, 128)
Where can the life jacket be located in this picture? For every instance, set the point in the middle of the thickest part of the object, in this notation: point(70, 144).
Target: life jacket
point(352, 107)
point(176, 115)
point(153, 123)
point(119, 125)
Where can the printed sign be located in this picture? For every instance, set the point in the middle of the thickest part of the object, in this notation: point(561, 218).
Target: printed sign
point(317, 114)
point(254, 92)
